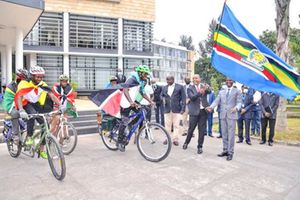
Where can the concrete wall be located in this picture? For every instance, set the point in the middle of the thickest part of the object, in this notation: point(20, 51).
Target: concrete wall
point(143, 10)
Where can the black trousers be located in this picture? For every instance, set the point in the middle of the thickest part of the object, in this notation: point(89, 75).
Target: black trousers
point(160, 114)
point(33, 108)
point(124, 123)
point(264, 125)
point(241, 122)
point(199, 120)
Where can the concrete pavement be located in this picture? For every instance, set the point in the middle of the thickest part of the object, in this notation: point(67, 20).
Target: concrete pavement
point(93, 172)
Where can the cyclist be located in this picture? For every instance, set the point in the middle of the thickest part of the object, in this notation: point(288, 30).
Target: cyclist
point(30, 98)
point(137, 78)
point(64, 92)
point(8, 101)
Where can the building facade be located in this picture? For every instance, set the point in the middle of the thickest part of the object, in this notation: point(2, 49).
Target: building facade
point(172, 60)
point(90, 39)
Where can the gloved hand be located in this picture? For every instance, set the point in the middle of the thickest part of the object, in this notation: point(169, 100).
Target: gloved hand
point(23, 114)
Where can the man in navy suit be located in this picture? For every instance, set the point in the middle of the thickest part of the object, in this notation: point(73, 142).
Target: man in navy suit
point(174, 100)
point(245, 114)
point(210, 99)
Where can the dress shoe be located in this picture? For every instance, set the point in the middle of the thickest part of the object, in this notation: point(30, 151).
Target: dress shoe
point(239, 141)
point(223, 154)
point(248, 142)
point(211, 136)
point(229, 157)
point(176, 143)
point(262, 142)
point(184, 146)
point(121, 146)
point(200, 151)
point(184, 134)
point(220, 136)
point(270, 144)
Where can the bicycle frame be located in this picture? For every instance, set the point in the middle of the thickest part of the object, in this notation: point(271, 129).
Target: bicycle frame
point(142, 116)
point(44, 129)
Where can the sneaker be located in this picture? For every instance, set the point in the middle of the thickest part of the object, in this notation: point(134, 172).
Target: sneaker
point(43, 155)
point(121, 146)
point(29, 141)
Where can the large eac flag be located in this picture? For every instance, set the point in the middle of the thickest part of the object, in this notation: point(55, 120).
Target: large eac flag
point(240, 56)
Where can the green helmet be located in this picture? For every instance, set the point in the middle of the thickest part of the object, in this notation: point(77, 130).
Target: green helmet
point(63, 77)
point(143, 68)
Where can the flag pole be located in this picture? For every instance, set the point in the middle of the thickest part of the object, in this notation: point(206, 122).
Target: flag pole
point(219, 24)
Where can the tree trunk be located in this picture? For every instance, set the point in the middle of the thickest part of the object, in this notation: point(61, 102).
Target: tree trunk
point(282, 49)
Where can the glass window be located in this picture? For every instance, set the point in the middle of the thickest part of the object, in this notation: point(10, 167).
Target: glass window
point(138, 36)
point(131, 63)
point(92, 72)
point(53, 65)
point(93, 32)
point(47, 31)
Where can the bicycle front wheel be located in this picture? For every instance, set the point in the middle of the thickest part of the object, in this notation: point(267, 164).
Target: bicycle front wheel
point(154, 142)
point(67, 137)
point(56, 158)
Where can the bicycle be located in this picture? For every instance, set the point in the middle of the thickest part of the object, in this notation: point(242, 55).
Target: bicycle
point(53, 149)
point(153, 141)
point(65, 133)
point(13, 149)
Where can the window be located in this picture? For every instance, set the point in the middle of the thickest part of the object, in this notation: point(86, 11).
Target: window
point(93, 32)
point(47, 31)
point(53, 65)
point(92, 72)
point(137, 36)
point(131, 63)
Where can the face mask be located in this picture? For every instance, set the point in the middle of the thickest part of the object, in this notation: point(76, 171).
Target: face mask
point(245, 91)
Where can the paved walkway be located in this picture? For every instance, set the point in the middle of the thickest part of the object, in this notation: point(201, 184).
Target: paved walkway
point(93, 172)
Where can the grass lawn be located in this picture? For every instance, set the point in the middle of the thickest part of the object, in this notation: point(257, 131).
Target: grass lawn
point(292, 135)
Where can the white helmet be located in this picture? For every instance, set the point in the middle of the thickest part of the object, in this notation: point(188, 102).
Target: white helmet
point(36, 70)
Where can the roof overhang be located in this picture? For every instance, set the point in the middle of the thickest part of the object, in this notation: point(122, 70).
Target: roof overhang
point(18, 14)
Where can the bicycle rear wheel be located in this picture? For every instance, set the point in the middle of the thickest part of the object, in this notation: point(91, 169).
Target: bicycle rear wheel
point(154, 142)
point(67, 137)
point(56, 158)
point(109, 140)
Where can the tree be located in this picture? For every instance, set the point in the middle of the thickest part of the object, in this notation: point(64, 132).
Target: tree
point(187, 41)
point(203, 65)
point(282, 49)
point(269, 39)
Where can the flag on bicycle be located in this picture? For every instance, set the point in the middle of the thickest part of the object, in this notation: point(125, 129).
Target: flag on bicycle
point(111, 100)
point(67, 98)
point(240, 56)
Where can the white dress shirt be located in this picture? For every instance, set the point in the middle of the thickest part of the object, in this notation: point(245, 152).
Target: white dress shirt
point(171, 89)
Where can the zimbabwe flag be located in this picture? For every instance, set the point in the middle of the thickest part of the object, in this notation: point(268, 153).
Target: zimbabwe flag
point(240, 56)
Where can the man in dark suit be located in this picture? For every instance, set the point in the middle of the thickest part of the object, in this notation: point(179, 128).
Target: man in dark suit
point(174, 102)
point(198, 115)
point(269, 103)
point(245, 114)
point(185, 124)
point(210, 116)
point(159, 106)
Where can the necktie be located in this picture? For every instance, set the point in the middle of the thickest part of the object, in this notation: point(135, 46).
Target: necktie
point(227, 94)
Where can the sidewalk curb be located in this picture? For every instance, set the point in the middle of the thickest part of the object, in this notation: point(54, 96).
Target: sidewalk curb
point(288, 143)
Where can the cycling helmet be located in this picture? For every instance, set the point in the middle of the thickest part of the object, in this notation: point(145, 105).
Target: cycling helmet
point(143, 68)
point(37, 70)
point(22, 74)
point(63, 77)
